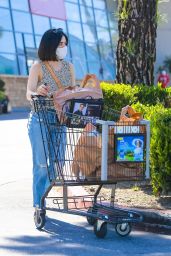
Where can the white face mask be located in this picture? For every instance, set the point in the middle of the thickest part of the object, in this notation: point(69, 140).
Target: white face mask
point(61, 52)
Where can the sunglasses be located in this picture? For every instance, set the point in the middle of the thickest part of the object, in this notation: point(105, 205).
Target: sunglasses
point(57, 30)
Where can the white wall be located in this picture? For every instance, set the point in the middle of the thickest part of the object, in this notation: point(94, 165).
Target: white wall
point(163, 42)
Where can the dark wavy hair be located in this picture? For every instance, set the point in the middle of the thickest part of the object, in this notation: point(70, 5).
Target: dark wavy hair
point(48, 44)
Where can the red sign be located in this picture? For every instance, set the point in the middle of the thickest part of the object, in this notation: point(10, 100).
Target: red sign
point(50, 8)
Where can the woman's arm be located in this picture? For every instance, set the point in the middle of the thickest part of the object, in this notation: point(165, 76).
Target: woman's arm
point(32, 89)
point(72, 74)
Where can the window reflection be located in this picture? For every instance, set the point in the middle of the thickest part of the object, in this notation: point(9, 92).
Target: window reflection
point(89, 33)
point(20, 5)
point(87, 15)
point(101, 18)
point(19, 42)
point(92, 52)
point(7, 42)
point(29, 41)
point(80, 68)
point(41, 24)
point(99, 4)
point(8, 64)
point(22, 22)
point(5, 19)
point(72, 11)
point(22, 64)
point(38, 39)
point(86, 2)
point(75, 29)
point(58, 24)
point(4, 3)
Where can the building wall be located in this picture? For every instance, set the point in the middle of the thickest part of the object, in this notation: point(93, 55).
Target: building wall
point(163, 48)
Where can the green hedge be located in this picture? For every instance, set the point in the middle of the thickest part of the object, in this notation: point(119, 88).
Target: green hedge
point(154, 103)
point(119, 95)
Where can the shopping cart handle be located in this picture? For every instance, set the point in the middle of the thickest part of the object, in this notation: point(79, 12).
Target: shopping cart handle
point(105, 122)
point(36, 96)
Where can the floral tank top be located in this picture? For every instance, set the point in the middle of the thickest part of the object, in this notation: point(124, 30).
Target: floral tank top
point(63, 74)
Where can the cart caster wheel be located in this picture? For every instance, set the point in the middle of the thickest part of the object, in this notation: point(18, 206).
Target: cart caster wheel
point(123, 229)
point(100, 229)
point(39, 219)
point(91, 220)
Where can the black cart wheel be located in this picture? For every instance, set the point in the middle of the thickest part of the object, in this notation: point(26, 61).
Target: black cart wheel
point(123, 229)
point(91, 220)
point(39, 220)
point(100, 229)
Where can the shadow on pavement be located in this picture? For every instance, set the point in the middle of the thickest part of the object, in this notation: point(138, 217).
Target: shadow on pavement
point(61, 238)
point(15, 114)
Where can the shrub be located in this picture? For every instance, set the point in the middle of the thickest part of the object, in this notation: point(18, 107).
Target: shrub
point(118, 95)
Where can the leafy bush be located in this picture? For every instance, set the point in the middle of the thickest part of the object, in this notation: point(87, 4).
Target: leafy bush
point(118, 95)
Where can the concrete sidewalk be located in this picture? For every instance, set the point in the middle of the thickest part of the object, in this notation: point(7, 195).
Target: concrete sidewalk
point(16, 166)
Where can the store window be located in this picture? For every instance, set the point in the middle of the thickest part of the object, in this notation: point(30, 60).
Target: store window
point(4, 3)
point(29, 41)
point(22, 22)
point(8, 64)
point(19, 42)
point(58, 24)
point(7, 42)
point(72, 11)
point(5, 19)
point(20, 5)
point(92, 52)
point(22, 65)
point(75, 29)
point(41, 24)
point(89, 33)
point(86, 2)
point(99, 4)
point(87, 15)
point(101, 18)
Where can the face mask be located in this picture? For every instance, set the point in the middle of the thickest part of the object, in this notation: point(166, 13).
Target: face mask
point(61, 52)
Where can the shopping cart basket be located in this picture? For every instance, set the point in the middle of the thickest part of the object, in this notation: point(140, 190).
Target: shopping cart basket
point(102, 153)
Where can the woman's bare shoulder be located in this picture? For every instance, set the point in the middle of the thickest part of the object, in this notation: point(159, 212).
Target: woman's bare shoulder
point(36, 66)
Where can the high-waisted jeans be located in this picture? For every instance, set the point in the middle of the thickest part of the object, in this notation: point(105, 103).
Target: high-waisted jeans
point(43, 165)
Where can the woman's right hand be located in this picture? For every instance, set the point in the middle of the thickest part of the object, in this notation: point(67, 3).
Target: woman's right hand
point(43, 90)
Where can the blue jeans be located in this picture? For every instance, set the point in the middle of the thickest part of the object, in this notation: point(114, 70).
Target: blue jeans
point(48, 157)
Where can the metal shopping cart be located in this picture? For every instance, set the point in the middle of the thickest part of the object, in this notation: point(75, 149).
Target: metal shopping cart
point(101, 152)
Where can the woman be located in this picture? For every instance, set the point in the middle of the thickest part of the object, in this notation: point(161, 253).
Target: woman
point(51, 52)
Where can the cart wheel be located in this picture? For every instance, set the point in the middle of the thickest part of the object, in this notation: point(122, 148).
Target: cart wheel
point(123, 229)
point(39, 220)
point(91, 220)
point(100, 228)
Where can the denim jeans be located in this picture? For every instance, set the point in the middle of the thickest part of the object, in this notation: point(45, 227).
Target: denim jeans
point(45, 156)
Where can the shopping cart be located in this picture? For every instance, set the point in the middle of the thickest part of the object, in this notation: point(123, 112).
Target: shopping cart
point(92, 155)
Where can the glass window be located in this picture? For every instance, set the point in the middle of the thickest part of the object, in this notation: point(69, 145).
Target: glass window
point(5, 19)
point(38, 39)
point(112, 6)
point(114, 36)
point(103, 34)
point(78, 56)
point(8, 64)
point(72, 11)
point(4, 3)
point(19, 42)
point(41, 24)
point(89, 33)
point(108, 70)
point(99, 4)
point(74, 1)
point(87, 15)
point(92, 52)
point(75, 30)
point(22, 65)
point(22, 22)
point(101, 18)
point(86, 2)
point(80, 68)
point(94, 68)
point(58, 24)
point(29, 41)
point(7, 42)
point(20, 5)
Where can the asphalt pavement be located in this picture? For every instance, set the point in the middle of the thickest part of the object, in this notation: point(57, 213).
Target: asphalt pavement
point(63, 234)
